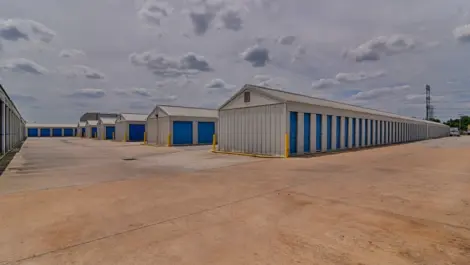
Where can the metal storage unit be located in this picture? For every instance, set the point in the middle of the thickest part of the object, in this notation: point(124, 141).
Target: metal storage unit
point(106, 128)
point(33, 132)
point(45, 132)
point(91, 129)
point(176, 125)
point(259, 120)
point(56, 132)
point(69, 132)
point(50, 130)
point(130, 127)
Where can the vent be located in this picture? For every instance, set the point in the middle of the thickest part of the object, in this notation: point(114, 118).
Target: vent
point(246, 96)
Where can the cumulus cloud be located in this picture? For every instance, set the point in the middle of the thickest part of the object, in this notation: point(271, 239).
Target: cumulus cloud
point(24, 29)
point(201, 21)
point(21, 65)
point(140, 91)
point(346, 78)
point(356, 77)
point(421, 98)
point(372, 50)
point(379, 92)
point(82, 71)
point(231, 20)
point(287, 40)
point(161, 64)
point(88, 93)
point(271, 82)
point(324, 83)
point(256, 55)
point(300, 51)
point(165, 98)
point(219, 86)
point(71, 53)
point(462, 33)
point(152, 12)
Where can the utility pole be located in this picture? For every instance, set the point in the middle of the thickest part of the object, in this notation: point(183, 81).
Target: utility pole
point(428, 102)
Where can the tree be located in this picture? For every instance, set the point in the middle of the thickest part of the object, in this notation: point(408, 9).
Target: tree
point(435, 120)
point(461, 123)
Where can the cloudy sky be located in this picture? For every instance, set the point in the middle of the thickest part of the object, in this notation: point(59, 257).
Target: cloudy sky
point(59, 59)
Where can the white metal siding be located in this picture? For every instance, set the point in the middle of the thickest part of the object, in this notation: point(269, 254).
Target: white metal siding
point(121, 130)
point(151, 127)
point(256, 130)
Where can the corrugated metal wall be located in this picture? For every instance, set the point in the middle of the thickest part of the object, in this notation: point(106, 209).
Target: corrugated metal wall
point(152, 130)
point(121, 130)
point(163, 130)
point(255, 130)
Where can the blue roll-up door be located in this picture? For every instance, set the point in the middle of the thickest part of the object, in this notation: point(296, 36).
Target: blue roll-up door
point(136, 132)
point(182, 132)
point(109, 132)
point(329, 121)
point(360, 132)
point(33, 132)
point(56, 132)
point(366, 135)
point(338, 132)
point(69, 132)
point(293, 133)
point(205, 132)
point(346, 132)
point(376, 132)
point(94, 132)
point(45, 132)
point(353, 132)
point(319, 132)
point(307, 132)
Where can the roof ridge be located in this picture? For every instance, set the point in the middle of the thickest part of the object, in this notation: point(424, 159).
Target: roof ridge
point(185, 107)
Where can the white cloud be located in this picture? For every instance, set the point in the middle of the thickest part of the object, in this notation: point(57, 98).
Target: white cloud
point(140, 91)
point(270, 81)
point(421, 98)
point(231, 20)
point(71, 53)
point(300, 51)
point(324, 83)
point(256, 55)
point(161, 64)
point(462, 33)
point(373, 49)
point(89, 93)
point(379, 92)
point(81, 71)
point(219, 86)
point(21, 65)
point(152, 12)
point(359, 76)
point(25, 29)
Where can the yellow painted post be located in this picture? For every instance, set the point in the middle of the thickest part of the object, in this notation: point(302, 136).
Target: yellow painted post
point(286, 149)
point(125, 137)
point(145, 137)
point(169, 139)
point(214, 141)
point(102, 135)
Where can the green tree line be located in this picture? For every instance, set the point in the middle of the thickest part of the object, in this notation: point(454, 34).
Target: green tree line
point(462, 123)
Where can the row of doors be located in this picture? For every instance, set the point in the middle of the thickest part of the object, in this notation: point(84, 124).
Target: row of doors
point(348, 125)
point(183, 132)
point(48, 132)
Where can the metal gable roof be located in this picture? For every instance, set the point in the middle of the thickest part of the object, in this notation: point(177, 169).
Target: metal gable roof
point(284, 96)
point(91, 123)
point(134, 117)
point(46, 125)
point(82, 124)
point(107, 121)
point(189, 111)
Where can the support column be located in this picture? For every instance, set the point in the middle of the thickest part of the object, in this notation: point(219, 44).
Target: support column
point(323, 133)
point(300, 132)
point(333, 132)
point(350, 133)
point(342, 133)
point(313, 133)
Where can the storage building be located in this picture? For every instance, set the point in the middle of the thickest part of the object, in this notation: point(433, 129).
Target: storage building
point(12, 125)
point(91, 129)
point(175, 125)
point(130, 127)
point(50, 130)
point(106, 128)
point(81, 129)
point(264, 121)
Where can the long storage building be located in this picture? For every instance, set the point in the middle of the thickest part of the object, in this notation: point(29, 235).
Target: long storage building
point(51, 130)
point(176, 125)
point(12, 124)
point(264, 121)
point(130, 127)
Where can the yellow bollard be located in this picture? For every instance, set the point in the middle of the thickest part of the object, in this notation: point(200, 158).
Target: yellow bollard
point(145, 137)
point(102, 136)
point(214, 141)
point(286, 149)
point(169, 139)
point(125, 137)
